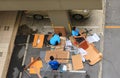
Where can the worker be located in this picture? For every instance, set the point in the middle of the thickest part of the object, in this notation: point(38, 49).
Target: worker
point(53, 63)
point(77, 35)
point(75, 32)
point(55, 39)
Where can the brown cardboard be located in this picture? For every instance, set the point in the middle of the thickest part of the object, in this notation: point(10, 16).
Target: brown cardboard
point(60, 56)
point(60, 29)
point(63, 56)
point(93, 55)
point(77, 62)
point(83, 44)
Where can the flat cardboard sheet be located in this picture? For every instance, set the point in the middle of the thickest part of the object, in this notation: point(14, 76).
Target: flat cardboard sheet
point(93, 54)
point(77, 62)
point(60, 56)
point(63, 57)
point(48, 54)
point(38, 40)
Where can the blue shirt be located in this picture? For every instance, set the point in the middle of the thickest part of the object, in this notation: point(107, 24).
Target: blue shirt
point(75, 32)
point(54, 64)
point(55, 39)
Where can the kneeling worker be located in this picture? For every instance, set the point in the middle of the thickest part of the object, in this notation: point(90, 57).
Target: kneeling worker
point(77, 35)
point(53, 63)
point(55, 39)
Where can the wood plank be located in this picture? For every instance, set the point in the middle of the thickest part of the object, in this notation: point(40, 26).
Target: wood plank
point(41, 37)
point(38, 40)
point(35, 40)
point(35, 67)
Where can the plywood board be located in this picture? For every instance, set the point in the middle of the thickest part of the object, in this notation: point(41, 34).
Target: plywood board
point(38, 40)
point(35, 40)
point(77, 62)
point(35, 67)
point(84, 45)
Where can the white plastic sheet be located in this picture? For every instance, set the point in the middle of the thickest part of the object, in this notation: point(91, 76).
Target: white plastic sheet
point(93, 38)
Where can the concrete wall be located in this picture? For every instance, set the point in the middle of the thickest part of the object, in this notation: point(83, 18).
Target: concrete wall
point(49, 4)
point(59, 18)
point(7, 37)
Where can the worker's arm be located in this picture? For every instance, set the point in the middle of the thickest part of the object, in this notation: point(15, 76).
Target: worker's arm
point(39, 76)
point(77, 36)
point(37, 72)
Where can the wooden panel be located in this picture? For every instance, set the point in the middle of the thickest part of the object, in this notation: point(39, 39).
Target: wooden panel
point(83, 45)
point(77, 62)
point(35, 40)
point(41, 37)
point(60, 29)
point(35, 67)
point(93, 55)
point(38, 40)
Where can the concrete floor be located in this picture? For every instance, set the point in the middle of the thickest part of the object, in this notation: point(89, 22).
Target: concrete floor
point(112, 12)
point(111, 40)
point(44, 26)
point(111, 61)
